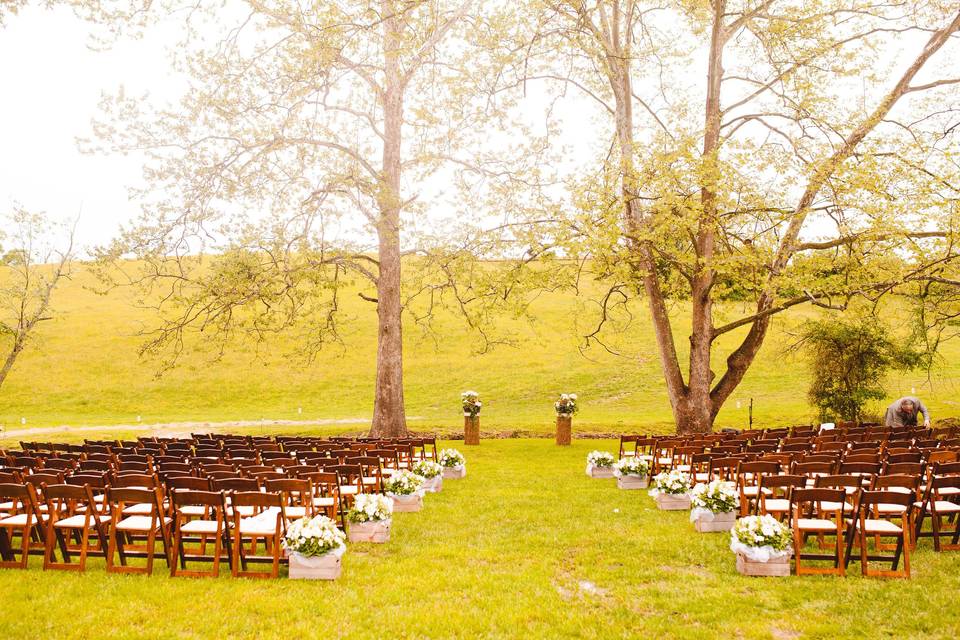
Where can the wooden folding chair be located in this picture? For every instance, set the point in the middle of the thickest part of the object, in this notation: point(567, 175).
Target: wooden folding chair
point(128, 518)
point(25, 519)
point(748, 482)
point(73, 510)
point(774, 495)
point(938, 504)
point(872, 520)
point(213, 525)
point(810, 517)
point(296, 495)
point(266, 520)
point(325, 486)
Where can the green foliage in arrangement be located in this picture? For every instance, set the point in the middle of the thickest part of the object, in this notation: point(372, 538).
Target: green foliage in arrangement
point(597, 563)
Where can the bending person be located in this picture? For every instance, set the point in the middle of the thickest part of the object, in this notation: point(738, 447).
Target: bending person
point(903, 413)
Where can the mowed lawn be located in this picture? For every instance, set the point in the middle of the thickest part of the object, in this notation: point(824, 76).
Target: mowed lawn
point(85, 370)
point(525, 546)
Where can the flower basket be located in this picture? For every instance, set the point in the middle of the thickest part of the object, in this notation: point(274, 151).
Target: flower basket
point(407, 504)
point(374, 531)
point(778, 567)
point(564, 429)
point(454, 473)
point(599, 472)
point(434, 485)
point(670, 502)
point(471, 430)
point(762, 546)
point(600, 464)
point(322, 567)
point(632, 473)
point(453, 463)
point(633, 482)
point(714, 506)
point(705, 521)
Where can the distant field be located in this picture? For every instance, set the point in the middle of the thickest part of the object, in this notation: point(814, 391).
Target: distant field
point(87, 372)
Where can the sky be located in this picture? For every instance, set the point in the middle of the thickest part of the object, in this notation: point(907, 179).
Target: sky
point(50, 86)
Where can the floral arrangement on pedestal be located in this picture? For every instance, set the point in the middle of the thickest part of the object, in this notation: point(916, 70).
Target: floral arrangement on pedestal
point(600, 464)
point(370, 518)
point(471, 403)
point(314, 546)
point(714, 506)
point(567, 404)
point(763, 546)
point(631, 473)
point(432, 474)
point(453, 463)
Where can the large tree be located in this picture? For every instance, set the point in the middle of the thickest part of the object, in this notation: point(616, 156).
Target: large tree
point(769, 153)
point(36, 256)
point(305, 130)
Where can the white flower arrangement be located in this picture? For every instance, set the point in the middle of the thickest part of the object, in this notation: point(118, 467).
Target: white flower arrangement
point(761, 538)
point(600, 459)
point(403, 483)
point(471, 403)
point(315, 536)
point(672, 483)
point(631, 466)
point(566, 405)
point(451, 458)
point(707, 500)
point(370, 507)
point(427, 469)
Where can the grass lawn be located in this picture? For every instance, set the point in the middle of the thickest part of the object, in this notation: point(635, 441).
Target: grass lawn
point(84, 370)
point(525, 546)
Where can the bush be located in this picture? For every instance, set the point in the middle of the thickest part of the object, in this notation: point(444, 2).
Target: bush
point(849, 360)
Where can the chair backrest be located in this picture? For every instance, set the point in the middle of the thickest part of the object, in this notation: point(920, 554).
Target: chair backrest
point(235, 484)
point(188, 483)
point(781, 485)
point(95, 480)
point(260, 501)
point(908, 482)
point(903, 468)
point(806, 501)
point(120, 496)
point(851, 484)
point(870, 498)
point(294, 491)
point(897, 458)
point(184, 497)
point(144, 480)
point(860, 468)
point(68, 499)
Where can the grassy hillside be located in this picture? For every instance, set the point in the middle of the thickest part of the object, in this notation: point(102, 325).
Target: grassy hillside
point(85, 371)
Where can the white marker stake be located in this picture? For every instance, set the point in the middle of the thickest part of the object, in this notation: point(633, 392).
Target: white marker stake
point(299, 411)
point(23, 421)
point(138, 418)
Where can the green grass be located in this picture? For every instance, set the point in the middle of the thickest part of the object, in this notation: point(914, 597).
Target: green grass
point(504, 553)
point(85, 371)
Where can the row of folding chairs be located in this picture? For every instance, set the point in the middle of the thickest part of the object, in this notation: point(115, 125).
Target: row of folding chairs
point(129, 522)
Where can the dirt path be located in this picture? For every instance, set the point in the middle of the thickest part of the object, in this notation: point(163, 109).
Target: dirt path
point(169, 429)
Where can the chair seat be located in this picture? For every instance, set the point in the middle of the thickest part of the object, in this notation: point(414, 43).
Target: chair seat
point(77, 522)
point(752, 491)
point(194, 510)
point(139, 523)
point(666, 461)
point(244, 510)
point(816, 524)
point(834, 506)
point(778, 505)
point(323, 502)
point(258, 526)
point(881, 526)
point(370, 480)
point(20, 520)
point(200, 526)
point(682, 467)
point(941, 506)
point(903, 490)
point(701, 477)
point(296, 512)
point(891, 508)
point(348, 490)
point(141, 509)
point(950, 491)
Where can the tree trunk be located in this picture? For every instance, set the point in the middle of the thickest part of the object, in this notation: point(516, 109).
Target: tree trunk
point(389, 417)
point(692, 415)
